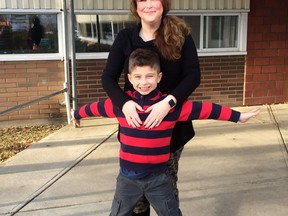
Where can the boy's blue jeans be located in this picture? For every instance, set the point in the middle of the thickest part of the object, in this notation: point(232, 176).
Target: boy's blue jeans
point(156, 187)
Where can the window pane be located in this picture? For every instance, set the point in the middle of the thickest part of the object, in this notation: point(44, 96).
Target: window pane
point(22, 33)
point(194, 23)
point(220, 32)
point(96, 33)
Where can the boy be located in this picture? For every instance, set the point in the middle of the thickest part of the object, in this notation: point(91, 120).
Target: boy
point(145, 152)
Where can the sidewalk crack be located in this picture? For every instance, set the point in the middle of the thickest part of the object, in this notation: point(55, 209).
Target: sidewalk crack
point(285, 145)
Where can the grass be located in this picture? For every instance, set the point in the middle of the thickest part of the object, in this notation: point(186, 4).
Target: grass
point(16, 139)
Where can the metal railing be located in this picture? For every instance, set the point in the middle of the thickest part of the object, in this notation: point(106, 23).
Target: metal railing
point(33, 101)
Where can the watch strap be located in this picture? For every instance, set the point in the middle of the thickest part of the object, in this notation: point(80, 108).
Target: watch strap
point(170, 101)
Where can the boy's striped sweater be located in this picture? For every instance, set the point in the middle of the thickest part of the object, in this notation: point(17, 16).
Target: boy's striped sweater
point(148, 150)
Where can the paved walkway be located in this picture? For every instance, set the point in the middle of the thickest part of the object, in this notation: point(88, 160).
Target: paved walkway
point(226, 170)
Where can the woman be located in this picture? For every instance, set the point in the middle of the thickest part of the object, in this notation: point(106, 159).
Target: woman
point(169, 36)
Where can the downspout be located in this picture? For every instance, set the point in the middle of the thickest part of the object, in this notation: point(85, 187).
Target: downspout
point(72, 53)
point(66, 59)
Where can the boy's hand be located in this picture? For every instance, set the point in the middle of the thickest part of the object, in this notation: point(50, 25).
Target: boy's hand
point(245, 116)
point(75, 122)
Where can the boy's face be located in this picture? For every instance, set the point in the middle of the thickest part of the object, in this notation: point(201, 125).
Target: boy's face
point(144, 79)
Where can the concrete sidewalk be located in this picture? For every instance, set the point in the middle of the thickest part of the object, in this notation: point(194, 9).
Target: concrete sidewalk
point(226, 170)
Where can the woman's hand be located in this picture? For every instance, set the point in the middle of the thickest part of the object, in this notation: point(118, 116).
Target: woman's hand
point(158, 112)
point(130, 111)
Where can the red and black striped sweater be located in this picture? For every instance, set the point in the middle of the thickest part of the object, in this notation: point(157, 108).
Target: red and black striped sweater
point(147, 150)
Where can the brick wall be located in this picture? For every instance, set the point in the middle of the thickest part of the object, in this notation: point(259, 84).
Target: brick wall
point(222, 80)
point(23, 81)
point(88, 81)
point(266, 78)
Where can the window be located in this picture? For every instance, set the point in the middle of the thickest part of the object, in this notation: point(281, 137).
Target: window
point(211, 33)
point(220, 32)
point(28, 33)
point(96, 33)
point(195, 24)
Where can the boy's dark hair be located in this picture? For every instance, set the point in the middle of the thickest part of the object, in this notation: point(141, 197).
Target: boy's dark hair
point(144, 57)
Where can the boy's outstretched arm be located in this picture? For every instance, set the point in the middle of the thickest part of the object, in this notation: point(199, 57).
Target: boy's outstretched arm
point(245, 116)
point(207, 110)
point(103, 108)
point(74, 121)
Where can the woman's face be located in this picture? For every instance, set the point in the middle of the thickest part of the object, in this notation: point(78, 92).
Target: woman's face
point(150, 11)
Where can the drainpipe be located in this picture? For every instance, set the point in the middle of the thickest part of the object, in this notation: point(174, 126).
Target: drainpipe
point(72, 53)
point(66, 60)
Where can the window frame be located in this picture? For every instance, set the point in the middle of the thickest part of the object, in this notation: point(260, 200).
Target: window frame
point(97, 55)
point(98, 16)
point(232, 49)
point(240, 50)
point(37, 56)
point(242, 31)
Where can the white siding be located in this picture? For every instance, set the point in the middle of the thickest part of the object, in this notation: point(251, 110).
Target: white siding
point(124, 4)
point(177, 5)
point(34, 3)
point(13, 4)
point(2, 4)
point(211, 4)
point(101, 4)
point(30, 4)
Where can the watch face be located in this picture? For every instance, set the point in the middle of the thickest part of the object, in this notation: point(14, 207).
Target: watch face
point(172, 103)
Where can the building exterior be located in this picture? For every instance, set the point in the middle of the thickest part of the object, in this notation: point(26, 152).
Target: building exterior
point(242, 47)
